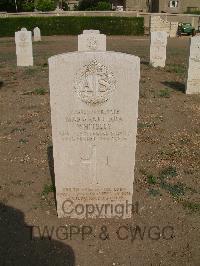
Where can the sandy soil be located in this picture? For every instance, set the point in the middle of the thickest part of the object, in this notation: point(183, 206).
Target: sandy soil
point(167, 172)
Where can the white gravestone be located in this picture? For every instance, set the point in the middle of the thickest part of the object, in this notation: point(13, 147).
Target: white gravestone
point(37, 34)
point(94, 110)
point(158, 48)
point(24, 49)
point(193, 78)
point(91, 42)
point(91, 32)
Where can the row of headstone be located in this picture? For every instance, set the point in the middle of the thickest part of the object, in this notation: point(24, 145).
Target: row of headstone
point(24, 48)
point(158, 59)
point(94, 132)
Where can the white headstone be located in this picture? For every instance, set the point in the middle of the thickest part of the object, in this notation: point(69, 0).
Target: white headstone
point(193, 79)
point(94, 110)
point(158, 48)
point(37, 34)
point(91, 42)
point(91, 32)
point(24, 49)
point(23, 29)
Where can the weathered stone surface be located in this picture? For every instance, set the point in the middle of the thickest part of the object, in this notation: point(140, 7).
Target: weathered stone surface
point(37, 34)
point(91, 42)
point(91, 31)
point(94, 110)
point(193, 78)
point(24, 50)
point(158, 24)
point(158, 49)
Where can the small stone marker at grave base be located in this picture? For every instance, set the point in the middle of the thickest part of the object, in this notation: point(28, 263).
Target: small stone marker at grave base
point(91, 32)
point(193, 78)
point(94, 110)
point(158, 48)
point(91, 42)
point(24, 49)
point(37, 34)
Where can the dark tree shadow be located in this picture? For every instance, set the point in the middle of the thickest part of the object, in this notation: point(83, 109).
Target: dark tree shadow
point(1, 84)
point(178, 86)
point(145, 62)
point(51, 167)
point(19, 247)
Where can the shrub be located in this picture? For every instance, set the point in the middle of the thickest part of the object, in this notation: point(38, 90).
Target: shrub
point(7, 5)
point(103, 6)
point(28, 6)
point(45, 5)
point(65, 25)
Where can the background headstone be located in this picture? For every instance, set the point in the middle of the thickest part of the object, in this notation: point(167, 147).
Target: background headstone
point(94, 110)
point(193, 79)
point(91, 31)
point(158, 48)
point(91, 42)
point(24, 49)
point(37, 34)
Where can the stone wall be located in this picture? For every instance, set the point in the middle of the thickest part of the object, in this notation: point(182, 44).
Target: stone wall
point(194, 19)
point(158, 24)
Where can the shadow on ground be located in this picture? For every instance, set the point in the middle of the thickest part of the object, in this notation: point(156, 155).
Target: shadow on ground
point(178, 86)
point(19, 247)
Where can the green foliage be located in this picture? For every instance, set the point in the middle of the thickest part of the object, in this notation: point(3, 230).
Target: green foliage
point(164, 93)
point(175, 68)
point(154, 192)
point(168, 172)
point(103, 6)
point(94, 5)
point(152, 180)
point(65, 6)
point(48, 189)
point(45, 5)
point(28, 6)
point(192, 206)
point(7, 5)
point(73, 25)
point(40, 91)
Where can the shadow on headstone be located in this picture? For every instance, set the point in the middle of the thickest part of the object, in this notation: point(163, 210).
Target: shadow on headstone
point(1, 84)
point(51, 168)
point(175, 85)
point(19, 247)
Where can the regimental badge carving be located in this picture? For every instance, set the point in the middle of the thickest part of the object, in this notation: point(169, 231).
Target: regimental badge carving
point(94, 83)
point(92, 43)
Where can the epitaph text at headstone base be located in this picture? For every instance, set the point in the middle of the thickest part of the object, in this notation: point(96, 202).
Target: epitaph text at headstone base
point(94, 111)
point(193, 78)
point(91, 42)
point(24, 49)
point(158, 49)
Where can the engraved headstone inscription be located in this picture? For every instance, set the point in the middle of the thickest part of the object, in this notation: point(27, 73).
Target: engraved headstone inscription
point(94, 110)
point(24, 50)
point(158, 48)
point(91, 40)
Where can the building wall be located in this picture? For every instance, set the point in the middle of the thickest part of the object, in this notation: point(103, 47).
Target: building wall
point(160, 6)
point(181, 8)
point(136, 5)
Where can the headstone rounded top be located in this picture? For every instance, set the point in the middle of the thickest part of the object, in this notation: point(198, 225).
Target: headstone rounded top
point(91, 32)
point(23, 29)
